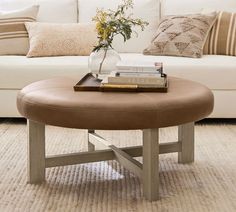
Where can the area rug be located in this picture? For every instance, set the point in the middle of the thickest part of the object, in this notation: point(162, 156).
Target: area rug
point(209, 184)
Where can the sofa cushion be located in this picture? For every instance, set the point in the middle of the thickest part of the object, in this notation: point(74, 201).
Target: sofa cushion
point(13, 34)
point(182, 35)
point(48, 39)
point(147, 10)
point(180, 7)
point(18, 71)
point(55, 11)
point(216, 72)
point(221, 39)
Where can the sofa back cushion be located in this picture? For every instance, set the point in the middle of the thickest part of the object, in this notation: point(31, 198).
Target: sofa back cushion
point(147, 10)
point(13, 35)
point(180, 7)
point(54, 11)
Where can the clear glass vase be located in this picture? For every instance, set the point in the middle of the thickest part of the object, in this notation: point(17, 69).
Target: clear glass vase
point(104, 61)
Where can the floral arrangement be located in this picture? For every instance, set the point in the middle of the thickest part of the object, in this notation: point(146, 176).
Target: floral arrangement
point(112, 23)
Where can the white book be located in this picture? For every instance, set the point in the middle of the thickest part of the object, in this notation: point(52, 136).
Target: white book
point(139, 65)
point(135, 78)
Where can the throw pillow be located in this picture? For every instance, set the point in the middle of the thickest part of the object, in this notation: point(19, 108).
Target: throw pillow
point(182, 35)
point(222, 37)
point(60, 39)
point(13, 35)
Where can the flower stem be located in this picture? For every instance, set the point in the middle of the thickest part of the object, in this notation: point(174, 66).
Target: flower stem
point(103, 59)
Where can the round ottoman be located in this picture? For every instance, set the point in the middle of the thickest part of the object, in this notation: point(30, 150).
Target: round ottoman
point(54, 102)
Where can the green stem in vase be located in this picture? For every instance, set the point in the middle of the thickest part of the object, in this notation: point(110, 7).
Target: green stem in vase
point(103, 59)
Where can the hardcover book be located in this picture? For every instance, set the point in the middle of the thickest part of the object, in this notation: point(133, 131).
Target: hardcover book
point(147, 78)
point(139, 66)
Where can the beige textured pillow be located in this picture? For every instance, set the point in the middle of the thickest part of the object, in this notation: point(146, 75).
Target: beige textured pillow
point(60, 39)
point(222, 38)
point(182, 35)
point(13, 35)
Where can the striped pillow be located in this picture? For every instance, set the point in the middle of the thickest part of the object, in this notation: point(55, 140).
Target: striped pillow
point(222, 37)
point(13, 34)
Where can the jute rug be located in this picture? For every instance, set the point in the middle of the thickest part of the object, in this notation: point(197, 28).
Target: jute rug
point(209, 184)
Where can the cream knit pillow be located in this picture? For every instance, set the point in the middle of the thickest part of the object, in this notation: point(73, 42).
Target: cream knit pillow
point(60, 39)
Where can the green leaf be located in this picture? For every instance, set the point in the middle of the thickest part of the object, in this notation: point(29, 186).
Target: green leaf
point(114, 23)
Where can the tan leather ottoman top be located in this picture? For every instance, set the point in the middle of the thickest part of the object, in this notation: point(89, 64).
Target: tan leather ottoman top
point(54, 102)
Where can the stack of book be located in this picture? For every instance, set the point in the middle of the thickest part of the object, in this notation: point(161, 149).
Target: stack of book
point(145, 79)
point(139, 66)
point(136, 78)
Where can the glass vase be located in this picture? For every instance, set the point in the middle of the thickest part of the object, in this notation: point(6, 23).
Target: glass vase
point(103, 61)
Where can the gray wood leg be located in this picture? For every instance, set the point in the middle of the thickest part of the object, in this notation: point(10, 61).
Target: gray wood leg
point(151, 164)
point(91, 146)
point(186, 137)
point(36, 152)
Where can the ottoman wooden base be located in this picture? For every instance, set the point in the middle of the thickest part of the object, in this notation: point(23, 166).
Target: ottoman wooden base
point(150, 150)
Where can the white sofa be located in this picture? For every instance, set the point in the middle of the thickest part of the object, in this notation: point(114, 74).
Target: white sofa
point(215, 71)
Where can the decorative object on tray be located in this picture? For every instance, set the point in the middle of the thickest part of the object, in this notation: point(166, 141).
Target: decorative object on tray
point(103, 60)
point(110, 23)
point(126, 81)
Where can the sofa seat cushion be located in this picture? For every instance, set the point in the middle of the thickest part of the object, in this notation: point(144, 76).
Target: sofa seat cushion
point(216, 72)
point(19, 71)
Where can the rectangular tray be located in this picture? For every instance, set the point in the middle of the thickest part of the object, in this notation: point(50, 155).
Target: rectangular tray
point(91, 83)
